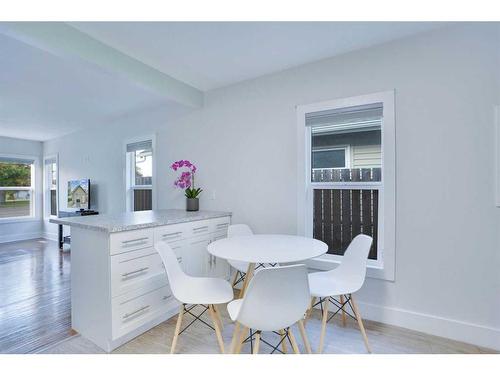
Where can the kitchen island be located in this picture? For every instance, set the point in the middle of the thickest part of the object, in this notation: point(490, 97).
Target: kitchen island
point(119, 287)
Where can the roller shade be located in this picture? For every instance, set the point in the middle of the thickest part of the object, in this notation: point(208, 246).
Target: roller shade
point(138, 146)
point(363, 118)
point(16, 160)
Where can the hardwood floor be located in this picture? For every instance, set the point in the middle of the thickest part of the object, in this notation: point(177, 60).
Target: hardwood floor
point(199, 339)
point(35, 310)
point(35, 317)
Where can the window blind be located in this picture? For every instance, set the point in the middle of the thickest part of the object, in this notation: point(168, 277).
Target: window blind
point(365, 117)
point(138, 146)
point(15, 160)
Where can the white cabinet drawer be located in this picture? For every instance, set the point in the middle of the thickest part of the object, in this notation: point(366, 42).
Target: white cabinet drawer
point(129, 313)
point(199, 228)
point(172, 233)
point(129, 271)
point(220, 224)
point(130, 240)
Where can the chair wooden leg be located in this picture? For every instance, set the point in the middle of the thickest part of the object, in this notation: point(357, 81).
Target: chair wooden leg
point(218, 333)
point(235, 278)
point(248, 276)
point(310, 310)
point(360, 323)
point(284, 349)
point(219, 319)
point(243, 335)
point(236, 335)
point(293, 342)
point(177, 329)
point(343, 311)
point(323, 325)
point(256, 343)
point(304, 337)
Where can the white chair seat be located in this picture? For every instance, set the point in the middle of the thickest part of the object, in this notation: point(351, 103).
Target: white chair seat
point(326, 284)
point(233, 308)
point(205, 290)
point(239, 265)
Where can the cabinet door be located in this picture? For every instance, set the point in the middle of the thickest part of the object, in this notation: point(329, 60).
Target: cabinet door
point(197, 259)
point(219, 267)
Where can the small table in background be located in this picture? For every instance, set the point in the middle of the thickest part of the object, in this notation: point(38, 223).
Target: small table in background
point(67, 239)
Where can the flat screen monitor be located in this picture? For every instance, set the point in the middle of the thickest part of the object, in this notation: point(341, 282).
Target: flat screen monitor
point(79, 194)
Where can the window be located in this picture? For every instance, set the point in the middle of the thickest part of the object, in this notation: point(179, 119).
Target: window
point(330, 157)
point(349, 176)
point(17, 181)
point(140, 175)
point(51, 186)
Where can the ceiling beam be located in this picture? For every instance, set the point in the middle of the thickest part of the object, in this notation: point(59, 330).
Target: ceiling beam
point(63, 40)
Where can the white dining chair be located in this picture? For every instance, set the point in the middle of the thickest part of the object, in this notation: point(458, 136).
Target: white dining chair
point(342, 282)
point(241, 268)
point(276, 299)
point(193, 291)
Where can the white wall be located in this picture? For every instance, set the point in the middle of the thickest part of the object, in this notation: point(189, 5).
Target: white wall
point(244, 144)
point(27, 228)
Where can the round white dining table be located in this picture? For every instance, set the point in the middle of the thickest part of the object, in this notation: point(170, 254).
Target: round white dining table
point(268, 248)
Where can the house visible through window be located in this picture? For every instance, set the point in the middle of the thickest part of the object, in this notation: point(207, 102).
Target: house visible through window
point(346, 175)
point(16, 187)
point(140, 175)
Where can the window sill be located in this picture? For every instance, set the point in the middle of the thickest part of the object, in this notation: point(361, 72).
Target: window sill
point(372, 271)
point(10, 220)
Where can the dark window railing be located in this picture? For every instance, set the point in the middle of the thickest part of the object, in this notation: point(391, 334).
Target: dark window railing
point(53, 202)
point(341, 214)
point(143, 199)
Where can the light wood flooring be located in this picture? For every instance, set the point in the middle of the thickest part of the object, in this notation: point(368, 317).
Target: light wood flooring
point(35, 317)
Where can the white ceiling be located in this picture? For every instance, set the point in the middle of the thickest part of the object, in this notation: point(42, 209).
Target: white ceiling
point(209, 55)
point(44, 95)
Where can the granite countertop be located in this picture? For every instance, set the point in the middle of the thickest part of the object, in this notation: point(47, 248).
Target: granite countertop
point(136, 220)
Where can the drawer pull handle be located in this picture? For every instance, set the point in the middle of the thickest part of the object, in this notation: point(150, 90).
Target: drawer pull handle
point(222, 225)
point(127, 274)
point(171, 234)
point(143, 308)
point(201, 228)
point(135, 240)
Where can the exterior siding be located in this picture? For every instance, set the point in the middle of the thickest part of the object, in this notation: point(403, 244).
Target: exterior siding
point(366, 156)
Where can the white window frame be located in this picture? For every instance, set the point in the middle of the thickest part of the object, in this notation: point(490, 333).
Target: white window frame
point(129, 171)
point(347, 153)
point(384, 266)
point(47, 183)
point(31, 189)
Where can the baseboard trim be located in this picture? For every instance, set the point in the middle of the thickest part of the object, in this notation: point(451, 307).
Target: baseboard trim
point(20, 237)
point(50, 236)
point(488, 337)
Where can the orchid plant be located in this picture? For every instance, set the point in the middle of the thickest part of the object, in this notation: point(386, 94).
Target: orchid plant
point(186, 179)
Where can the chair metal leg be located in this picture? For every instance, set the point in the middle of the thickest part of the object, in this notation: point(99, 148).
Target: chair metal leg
point(304, 336)
point(361, 326)
point(218, 333)
point(323, 324)
point(177, 329)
